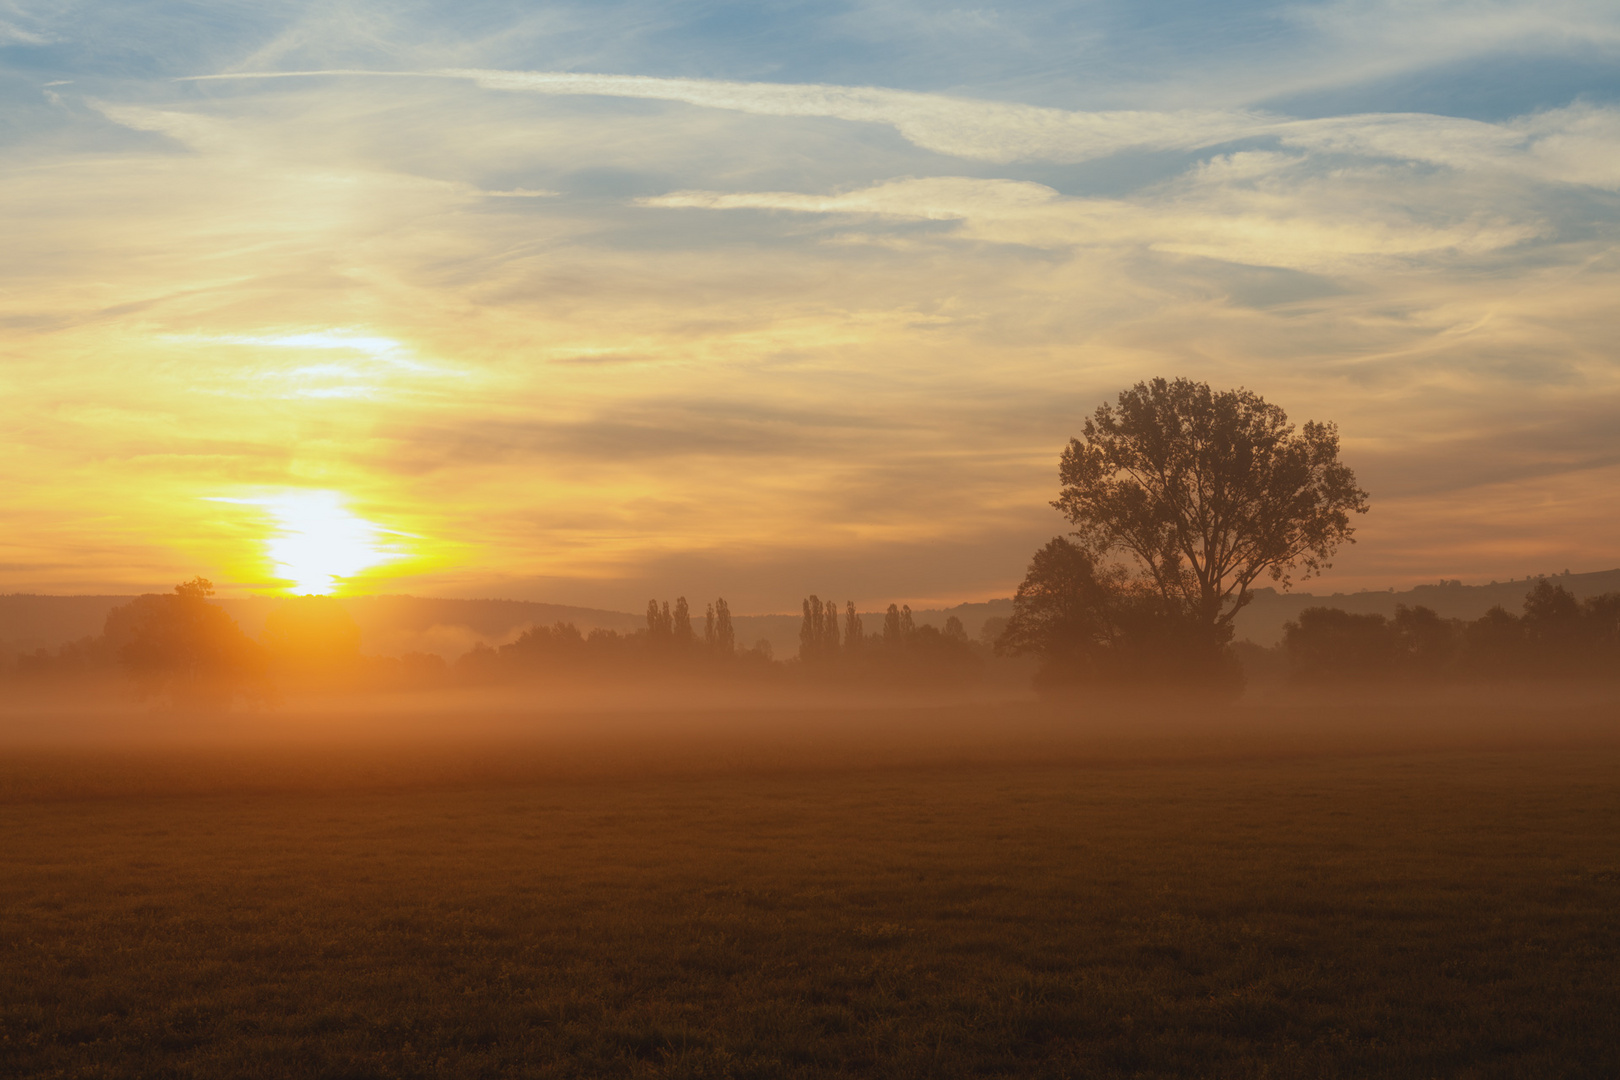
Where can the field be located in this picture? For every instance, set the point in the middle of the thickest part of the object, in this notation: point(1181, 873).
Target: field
point(1151, 901)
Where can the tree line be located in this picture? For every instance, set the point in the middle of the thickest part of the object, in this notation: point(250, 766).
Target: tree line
point(835, 647)
point(669, 645)
point(1556, 636)
point(181, 647)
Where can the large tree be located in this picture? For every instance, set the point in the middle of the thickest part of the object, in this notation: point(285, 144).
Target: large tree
point(180, 645)
point(1203, 492)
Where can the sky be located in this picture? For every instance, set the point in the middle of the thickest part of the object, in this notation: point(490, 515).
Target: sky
point(590, 302)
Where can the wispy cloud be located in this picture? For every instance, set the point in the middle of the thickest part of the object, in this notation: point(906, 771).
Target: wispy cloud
point(16, 35)
point(520, 193)
point(960, 127)
point(1578, 145)
point(1223, 224)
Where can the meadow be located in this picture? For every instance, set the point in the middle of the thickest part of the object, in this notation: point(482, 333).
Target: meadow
point(930, 892)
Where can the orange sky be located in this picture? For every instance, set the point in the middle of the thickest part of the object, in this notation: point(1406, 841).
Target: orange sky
point(483, 325)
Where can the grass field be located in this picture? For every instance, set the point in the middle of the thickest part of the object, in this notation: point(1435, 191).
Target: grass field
point(1434, 911)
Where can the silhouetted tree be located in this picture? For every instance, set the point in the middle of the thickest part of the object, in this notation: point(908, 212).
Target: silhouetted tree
point(1603, 612)
point(1204, 492)
point(891, 626)
point(682, 626)
point(1555, 632)
point(1425, 643)
point(810, 630)
point(180, 645)
point(1495, 643)
point(559, 647)
point(725, 638)
point(1326, 644)
point(829, 629)
point(708, 627)
point(854, 634)
point(1066, 613)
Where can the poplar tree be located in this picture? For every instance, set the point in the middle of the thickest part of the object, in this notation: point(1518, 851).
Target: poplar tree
point(854, 635)
point(725, 638)
point(810, 630)
point(891, 625)
point(682, 626)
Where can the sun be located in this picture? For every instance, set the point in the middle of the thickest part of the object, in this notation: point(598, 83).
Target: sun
point(316, 543)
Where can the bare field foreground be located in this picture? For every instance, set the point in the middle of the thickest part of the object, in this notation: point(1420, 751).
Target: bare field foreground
point(1284, 889)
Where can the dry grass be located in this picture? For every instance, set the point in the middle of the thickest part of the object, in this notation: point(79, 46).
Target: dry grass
point(1444, 912)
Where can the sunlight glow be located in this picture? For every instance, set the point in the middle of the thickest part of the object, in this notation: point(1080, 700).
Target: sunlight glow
point(318, 542)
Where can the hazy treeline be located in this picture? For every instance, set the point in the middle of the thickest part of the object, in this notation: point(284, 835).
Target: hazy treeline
point(1088, 631)
point(670, 645)
point(1556, 636)
point(1093, 627)
point(182, 647)
point(833, 648)
point(836, 646)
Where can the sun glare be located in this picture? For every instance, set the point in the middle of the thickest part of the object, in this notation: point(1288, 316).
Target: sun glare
point(318, 543)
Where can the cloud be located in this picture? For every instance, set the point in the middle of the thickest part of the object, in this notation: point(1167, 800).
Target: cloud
point(1576, 145)
point(195, 130)
point(1235, 226)
point(11, 34)
point(520, 193)
point(959, 127)
point(1579, 144)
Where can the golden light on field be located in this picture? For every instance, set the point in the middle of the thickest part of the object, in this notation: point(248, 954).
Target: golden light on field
point(317, 543)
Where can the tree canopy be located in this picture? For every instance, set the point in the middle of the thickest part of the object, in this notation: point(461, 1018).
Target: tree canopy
point(1181, 497)
point(1206, 491)
point(1063, 611)
point(178, 644)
